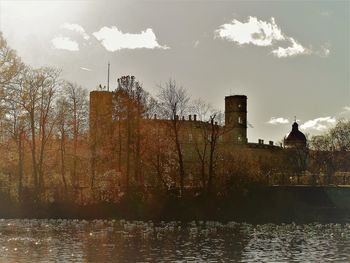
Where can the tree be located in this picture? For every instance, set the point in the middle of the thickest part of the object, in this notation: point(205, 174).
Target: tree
point(11, 68)
point(330, 151)
point(207, 145)
point(15, 123)
point(10, 64)
point(77, 103)
point(63, 130)
point(11, 115)
point(173, 101)
point(130, 107)
point(35, 94)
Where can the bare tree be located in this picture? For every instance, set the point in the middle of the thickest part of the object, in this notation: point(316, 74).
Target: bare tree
point(35, 94)
point(329, 152)
point(62, 123)
point(15, 123)
point(77, 103)
point(174, 103)
point(207, 146)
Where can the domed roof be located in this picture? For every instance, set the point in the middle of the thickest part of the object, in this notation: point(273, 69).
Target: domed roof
point(295, 136)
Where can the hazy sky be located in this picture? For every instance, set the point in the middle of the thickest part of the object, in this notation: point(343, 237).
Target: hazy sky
point(289, 58)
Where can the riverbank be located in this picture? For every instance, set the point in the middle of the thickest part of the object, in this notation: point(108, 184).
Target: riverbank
point(275, 204)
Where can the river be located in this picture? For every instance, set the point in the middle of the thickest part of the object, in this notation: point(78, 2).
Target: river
point(138, 241)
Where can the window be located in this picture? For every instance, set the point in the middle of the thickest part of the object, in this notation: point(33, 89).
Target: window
point(190, 137)
point(239, 105)
point(239, 138)
point(240, 121)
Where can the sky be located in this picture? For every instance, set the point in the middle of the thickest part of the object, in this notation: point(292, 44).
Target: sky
point(291, 58)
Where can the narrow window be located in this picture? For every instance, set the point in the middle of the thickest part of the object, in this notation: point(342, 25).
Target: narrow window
point(190, 137)
point(240, 121)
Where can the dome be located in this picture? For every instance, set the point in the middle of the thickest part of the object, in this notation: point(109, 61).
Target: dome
point(295, 137)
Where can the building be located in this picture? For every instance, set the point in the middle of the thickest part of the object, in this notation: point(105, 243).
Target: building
point(118, 143)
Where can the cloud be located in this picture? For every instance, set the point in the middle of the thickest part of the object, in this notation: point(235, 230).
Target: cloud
point(326, 13)
point(196, 43)
point(265, 34)
point(318, 124)
point(77, 28)
point(295, 49)
point(65, 43)
point(345, 110)
point(279, 120)
point(86, 69)
point(113, 39)
point(324, 52)
point(254, 31)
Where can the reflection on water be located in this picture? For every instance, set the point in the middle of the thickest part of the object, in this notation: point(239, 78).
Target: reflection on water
point(136, 241)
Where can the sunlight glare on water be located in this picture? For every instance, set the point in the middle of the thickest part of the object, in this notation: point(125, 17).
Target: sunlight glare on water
point(138, 241)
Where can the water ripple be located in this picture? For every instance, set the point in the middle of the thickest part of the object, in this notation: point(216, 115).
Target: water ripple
point(138, 241)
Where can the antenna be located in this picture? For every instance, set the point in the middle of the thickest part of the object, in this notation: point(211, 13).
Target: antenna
point(295, 118)
point(108, 77)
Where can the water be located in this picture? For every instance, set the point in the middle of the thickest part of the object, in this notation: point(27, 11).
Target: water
point(131, 241)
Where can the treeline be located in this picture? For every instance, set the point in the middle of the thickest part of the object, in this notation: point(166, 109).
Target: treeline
point(44, 121)
point(329, 155)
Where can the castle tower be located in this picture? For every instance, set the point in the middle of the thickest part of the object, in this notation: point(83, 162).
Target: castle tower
point(100, 129)
point(100, 117)
point(236, 119)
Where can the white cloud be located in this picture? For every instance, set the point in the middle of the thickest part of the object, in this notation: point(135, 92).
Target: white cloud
point(319, 124)
point(345, 111)
point(264, 34)
point(77, 28)
point(254, 31)
point(196, 44)
point(65, 43)
point(279, 120)
point(295, 49)
point(113, 39)
point(326, 13)
point(324, 52)
point(86, 69)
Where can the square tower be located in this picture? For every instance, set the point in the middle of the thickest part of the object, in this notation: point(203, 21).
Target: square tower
point(100, 130)
point(236, 119)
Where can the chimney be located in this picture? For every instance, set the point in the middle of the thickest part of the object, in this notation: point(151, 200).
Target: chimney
point(216, 123)
point(271, 143)
point(195, 117)
point(155, 116)
point(183, 118)
point(177, 117)
point(190, 117)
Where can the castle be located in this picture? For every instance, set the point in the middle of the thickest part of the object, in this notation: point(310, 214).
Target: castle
point(113, 147)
